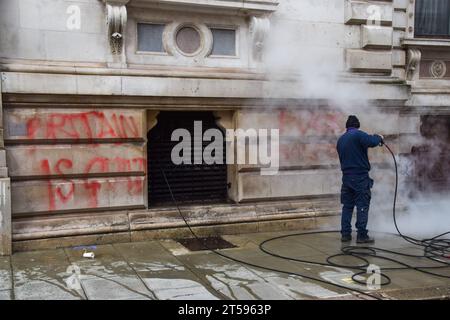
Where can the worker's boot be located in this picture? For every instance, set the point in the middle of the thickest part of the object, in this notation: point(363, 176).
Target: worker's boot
point(346, 238)
point(365, 240)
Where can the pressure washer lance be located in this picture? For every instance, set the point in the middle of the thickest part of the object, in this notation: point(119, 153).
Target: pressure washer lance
point(434, 248)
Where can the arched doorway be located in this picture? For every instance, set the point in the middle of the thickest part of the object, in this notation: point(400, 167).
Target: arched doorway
point(192, 183)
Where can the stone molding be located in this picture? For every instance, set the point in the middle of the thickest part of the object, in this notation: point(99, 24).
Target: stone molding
point(144, 85)
point(413, 62)
point(116, 20)
point(259, 29)
point(246, 7)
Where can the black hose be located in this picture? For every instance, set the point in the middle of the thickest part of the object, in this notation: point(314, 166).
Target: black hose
point(430, 245)
point(242, 262)
point(435, 249)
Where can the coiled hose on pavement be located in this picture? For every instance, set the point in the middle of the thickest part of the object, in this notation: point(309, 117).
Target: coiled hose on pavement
point(436, 249)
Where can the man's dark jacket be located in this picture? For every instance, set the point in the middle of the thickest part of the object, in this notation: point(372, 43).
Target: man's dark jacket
point(352, 149)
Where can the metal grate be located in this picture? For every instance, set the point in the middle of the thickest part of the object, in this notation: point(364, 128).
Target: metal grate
point(198, 244)
point(194, 183)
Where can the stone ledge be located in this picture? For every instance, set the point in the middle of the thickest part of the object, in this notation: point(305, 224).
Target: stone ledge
point(163, 72)
point(400, 4)
point(358, 12)
point(176, 232)
point(369, 61)
point(62, 242)
point(230, 214)
point(419, 42)
point(65, 225)
point(378, 88)
point(255, 7)
point(166, 222)
point(376, 37)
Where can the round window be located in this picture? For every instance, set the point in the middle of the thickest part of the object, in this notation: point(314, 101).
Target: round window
point(188, 40)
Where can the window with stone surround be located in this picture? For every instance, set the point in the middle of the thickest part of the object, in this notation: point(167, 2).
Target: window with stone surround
point(224, 41)
point(190, 39)
point(432, 18)
point(150, 37)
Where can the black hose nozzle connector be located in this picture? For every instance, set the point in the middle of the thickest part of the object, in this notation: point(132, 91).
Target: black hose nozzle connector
point(382, 140)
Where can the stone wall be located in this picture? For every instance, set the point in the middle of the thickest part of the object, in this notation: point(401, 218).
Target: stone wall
point(37, 31)
point(75, 159)
point(75, 113)
point(309, 165)
point(381, 25)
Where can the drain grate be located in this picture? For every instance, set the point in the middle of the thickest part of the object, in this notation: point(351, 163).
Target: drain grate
point(194, 244)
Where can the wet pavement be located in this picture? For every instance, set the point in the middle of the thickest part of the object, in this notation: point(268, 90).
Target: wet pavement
point(165, 269)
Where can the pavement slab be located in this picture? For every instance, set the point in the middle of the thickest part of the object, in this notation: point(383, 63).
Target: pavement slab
point(107, 263)
point(167, 288)
point(5, 295)
point(165, 269)
point(45, 274)
point(164, 274)
point(239, 281)
point(174, 247)
point(116, 288)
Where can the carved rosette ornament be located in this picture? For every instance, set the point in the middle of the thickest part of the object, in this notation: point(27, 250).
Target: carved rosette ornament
point(412, 67)
point(438, 69)
point(116, 20)
point(259, 29)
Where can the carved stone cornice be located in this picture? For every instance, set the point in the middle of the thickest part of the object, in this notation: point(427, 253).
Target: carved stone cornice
point(247, 7)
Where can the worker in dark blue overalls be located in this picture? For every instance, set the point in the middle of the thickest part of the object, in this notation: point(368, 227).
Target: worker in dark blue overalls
point(356, 184)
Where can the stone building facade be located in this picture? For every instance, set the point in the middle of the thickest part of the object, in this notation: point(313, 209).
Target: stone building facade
point(87, 84)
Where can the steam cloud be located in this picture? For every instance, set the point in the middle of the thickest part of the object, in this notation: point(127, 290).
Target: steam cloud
point(305, 55)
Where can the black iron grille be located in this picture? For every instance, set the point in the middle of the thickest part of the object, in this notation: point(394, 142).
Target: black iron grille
point(207, 243)
point(193, 183)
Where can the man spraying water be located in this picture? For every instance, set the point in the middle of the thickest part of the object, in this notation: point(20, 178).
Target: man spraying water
point(352, 148)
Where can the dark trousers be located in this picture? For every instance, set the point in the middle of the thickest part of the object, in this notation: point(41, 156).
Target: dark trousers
point(355, 191)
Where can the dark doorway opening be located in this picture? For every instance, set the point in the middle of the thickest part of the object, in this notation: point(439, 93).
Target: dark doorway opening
point(190, 183)
point(432, 157)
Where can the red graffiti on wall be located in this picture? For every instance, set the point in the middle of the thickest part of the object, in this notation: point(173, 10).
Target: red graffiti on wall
point(84, 125)
point(60, 195)
point(305, 122)
point(57, 193)
point(308, 154)
point(105, 164)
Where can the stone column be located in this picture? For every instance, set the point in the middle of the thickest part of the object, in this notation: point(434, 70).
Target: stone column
point(5, 194)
